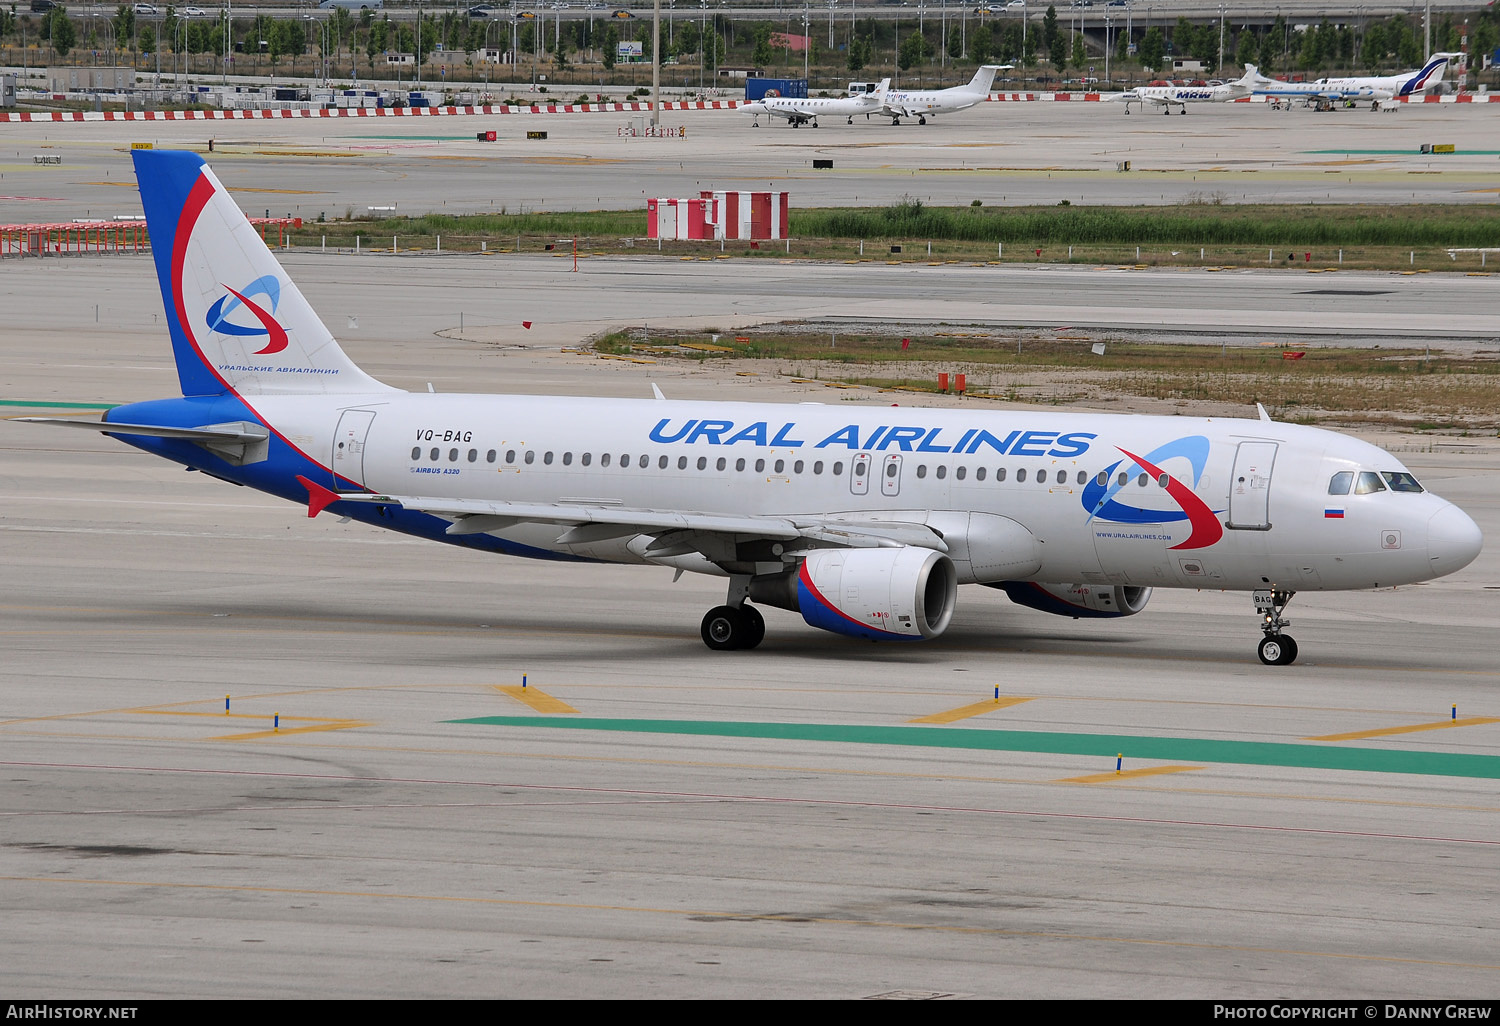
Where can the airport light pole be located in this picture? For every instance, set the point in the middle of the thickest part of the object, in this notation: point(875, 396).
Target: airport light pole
point(1222, 9)
point(655, 63)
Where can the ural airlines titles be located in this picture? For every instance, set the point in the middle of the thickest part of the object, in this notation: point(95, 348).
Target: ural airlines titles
point(904, 438)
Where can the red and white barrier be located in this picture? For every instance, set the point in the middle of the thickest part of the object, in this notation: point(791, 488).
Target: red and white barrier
point(360, 112)
point(719, 215)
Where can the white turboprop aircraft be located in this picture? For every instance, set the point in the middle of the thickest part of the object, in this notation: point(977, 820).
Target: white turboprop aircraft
point(1361, 87)
point(799, 111)
point(1169, 96)
point(926, 103)
point(863, 520)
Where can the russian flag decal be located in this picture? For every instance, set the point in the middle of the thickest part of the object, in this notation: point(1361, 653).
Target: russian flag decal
point(1333, 514)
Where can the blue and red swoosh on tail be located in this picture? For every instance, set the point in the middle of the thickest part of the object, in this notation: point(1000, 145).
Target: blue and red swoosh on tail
point(218, 320)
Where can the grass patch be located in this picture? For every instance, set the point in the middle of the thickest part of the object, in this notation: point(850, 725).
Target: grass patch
point(1311, 237)
point(1406, 387)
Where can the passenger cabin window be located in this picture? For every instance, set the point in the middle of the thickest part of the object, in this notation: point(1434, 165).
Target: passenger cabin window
point(979, 474)
point(530, 455)
point(1369, 483)
point(586, 458)
point(489, 457)
point(473, 455)
point(1340, 483)
point(1000, 474)
point(416, 453)
point(510, 455)
point(1400, 482)
point(1021, 474)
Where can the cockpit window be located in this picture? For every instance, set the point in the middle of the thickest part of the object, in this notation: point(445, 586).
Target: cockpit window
point(1341, 482)
point(1401, 482)
point(1369, 482)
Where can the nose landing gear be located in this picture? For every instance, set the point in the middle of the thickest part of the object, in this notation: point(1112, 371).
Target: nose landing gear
point(1276, 648)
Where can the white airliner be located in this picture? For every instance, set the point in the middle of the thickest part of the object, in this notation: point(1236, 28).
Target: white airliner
point(864, 520)
point(1361, 87)
point(799, 111)
point(1169, 96)
point(925, 103)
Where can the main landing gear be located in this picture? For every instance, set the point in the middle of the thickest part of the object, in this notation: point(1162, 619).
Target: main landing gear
point(736, 624)
point(1276, 648)
point(725, 628)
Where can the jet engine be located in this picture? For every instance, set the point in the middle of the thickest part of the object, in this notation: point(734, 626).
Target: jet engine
point(885, 594)
point(1077, 600)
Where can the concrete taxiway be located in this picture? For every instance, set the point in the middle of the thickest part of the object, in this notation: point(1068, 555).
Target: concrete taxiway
point(998, 153)
point(384, 812)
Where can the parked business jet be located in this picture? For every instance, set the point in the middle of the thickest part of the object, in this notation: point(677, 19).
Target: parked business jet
point(925, 103)
point(1169, 96)
point(1361, 87)
point(798, 111)
point(863, 520)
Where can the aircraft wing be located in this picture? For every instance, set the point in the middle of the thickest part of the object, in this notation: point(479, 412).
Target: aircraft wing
point(478, 516)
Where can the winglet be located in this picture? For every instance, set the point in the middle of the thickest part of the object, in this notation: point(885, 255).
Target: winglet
point(656, 391)
point(1263, 414)
point(318, 497)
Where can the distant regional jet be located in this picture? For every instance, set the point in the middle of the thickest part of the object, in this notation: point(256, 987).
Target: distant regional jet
point(864, 520)
point(1173, 95)
point(925, 103)
point(1361, 87)
point(799, 111)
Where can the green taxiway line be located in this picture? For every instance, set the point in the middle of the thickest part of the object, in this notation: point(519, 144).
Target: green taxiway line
point(1099, 746)
point(56, 406)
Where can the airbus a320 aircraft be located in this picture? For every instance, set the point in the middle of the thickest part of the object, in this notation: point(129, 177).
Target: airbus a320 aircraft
point(1169, 96)
point(863, 520)
point(799, 111)
point(925, 103)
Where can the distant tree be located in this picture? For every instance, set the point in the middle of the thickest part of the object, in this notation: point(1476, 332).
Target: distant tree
point(860, 50)
point(955, 45)
point(1245, 52)
point(981, 44)
point(1080, 54)
point(609, 44)
point(914, 51)
point(64, 36)
point(1152, 51)
point(1051, 34)
point(762, 55)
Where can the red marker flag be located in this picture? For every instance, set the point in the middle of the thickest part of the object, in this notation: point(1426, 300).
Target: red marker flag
point(526, 325)
point(905, 342)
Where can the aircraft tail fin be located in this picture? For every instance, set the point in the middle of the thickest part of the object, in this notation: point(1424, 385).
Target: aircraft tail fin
point(1430, 75)
point(237, 322)
point(983, 79)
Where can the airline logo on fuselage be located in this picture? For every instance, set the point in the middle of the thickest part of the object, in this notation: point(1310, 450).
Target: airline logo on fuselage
point(218, 316)
point(855, 438)
point(1104, 502)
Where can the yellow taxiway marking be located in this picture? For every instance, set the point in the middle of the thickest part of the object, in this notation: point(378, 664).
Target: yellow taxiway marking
point(316, 723)
point(1104, 778)
point(317, 727)
point(538, 700)
point(1360, 735)
point(977, 709)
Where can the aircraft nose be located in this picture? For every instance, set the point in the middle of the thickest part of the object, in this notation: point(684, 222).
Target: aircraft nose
point(1453, 540)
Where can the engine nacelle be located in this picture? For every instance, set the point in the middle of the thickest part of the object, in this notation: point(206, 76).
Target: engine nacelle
point(896, 594)
point(1078, 600)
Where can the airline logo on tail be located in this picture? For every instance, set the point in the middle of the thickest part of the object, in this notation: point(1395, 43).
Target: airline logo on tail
point(269, 286)
point(1420, 82)
point(1102, 503)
